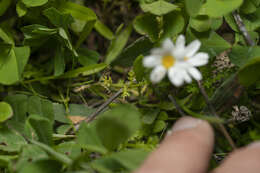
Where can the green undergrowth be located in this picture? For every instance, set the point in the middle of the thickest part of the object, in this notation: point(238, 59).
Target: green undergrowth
point(60, 60)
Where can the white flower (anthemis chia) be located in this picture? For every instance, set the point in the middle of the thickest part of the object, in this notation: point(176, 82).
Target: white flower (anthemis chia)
point(178, 61)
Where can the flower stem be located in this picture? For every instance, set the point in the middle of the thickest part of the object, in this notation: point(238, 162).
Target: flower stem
point(177, 106)
point(100, 109)
point(242, 28)
point(213, 111)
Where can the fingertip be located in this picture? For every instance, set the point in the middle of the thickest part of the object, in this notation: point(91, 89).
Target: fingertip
point(245, 159)
point(193, 125)
point(187, 148)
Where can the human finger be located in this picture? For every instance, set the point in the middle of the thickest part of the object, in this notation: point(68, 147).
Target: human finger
point(243, 160)
point(187, 149)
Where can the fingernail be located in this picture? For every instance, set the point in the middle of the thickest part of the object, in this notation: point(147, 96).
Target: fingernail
point(186, 123)
point(169, 133)
point(254, 145)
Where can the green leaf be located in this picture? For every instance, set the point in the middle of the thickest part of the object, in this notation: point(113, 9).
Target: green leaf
point(36, 29)
point(19, 103)
point(212, 43)
point(240, 55)
point(6, 159)
point(85, 32)
point(5, 37)
point(147, 24)
point(42, 166)
point(159, 7)
point(22, 55)
point(252, 23)
point(80, 110)
point(88, 138)
point(30, 153)
point(193, 6)
point(6, 111)
point(201, 23)
point(71, 148)
point(114, 126)
point(141, 46)
point(54, 154)
point(84, 71)
point(248, 7)
point(66, 40)
point(150, 115)
point(33, 3)
point(163, 116)
point(78, 11)
point(231, 22)
point(106, 165)
point(216, 23)
point(173, 25)
point(78, 25)
point(57, 18)
point(88, 57)
point(118, 44)
point(131, 159)
point(60, 113)
point(5, 53)
point(21, 9)
point(34, 33)
point(249, 73)
point(42, 127)
point(104, 30)
point(218, 8)
point(159, 126)
point(128, 160)
point(139, 68)
point(41, 107)
point(59, 62)
point(256, 2)
point(4, 5)
point(11, 141)
point(14, 65)
point(64, 129)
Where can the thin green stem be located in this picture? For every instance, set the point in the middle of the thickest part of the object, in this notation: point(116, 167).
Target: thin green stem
point(213, 111)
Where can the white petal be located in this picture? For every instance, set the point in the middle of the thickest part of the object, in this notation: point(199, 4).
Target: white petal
point(151, 61)
point(182, 65)
point(180, 42)
point(195, 73)
point(199, 59)
point(168, 45)
point(179, 49)
point(157, 74)
point(192, 48)
point(175, 76)
point(179, 53)
point(186, 76)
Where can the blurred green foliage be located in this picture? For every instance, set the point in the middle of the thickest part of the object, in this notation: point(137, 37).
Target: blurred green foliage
point(61, 59)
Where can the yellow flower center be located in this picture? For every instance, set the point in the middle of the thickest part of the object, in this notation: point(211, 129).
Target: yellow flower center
point(168, 61)
point(186, 58)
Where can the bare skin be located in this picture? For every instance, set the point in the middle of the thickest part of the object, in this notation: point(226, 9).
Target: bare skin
point(188, 150)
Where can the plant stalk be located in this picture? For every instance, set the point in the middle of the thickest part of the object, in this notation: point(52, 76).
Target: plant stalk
point(177, 106)
point(242, 28)
point(100, 109)
point(213, 111)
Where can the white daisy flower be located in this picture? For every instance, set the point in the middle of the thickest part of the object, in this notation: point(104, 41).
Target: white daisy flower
point(178, 61)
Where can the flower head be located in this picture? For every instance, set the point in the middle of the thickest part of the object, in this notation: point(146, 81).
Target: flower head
point(178, 61)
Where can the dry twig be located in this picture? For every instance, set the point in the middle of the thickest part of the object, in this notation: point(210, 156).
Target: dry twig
point(242, 28)
point(100, 109)
point(213, 111)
